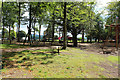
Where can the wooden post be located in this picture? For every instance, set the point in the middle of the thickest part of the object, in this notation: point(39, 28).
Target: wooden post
point(58, 50)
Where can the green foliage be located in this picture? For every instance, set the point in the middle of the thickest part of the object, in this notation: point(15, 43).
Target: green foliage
point(113, 11)
point(5, 33)
point(80, 15)
point(9, 13)
point(13, 34)
point(56, 36)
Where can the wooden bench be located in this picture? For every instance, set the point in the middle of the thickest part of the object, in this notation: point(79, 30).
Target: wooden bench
point(56, 47)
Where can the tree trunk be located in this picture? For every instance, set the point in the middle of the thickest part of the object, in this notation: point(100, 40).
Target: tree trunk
point(83, 35)
point(19, 23)
point(87, 40)
point(53, 28)
point(98, 39)
point(95, 39)
point(90, 39)
point(90, 16)
point(29, 28)
point(9, 34)
point(3, 34)
point(75, 38)
point(13, 31)
point(34, 31)
point(48, 36)
point(65, 28)
point(3, 27)
point(39, 31)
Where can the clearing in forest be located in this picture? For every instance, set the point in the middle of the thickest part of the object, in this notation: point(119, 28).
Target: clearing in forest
point(71, 63)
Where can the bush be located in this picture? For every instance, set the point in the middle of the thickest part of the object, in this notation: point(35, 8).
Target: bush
point(21, 34)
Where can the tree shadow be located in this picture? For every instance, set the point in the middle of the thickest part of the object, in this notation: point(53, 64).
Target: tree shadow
point(26, 60)
point(48, 62)
point(15, 46)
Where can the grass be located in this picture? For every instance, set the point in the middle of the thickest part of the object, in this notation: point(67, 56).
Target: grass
point(44, 64)
point(113, 59)
point(10, 46)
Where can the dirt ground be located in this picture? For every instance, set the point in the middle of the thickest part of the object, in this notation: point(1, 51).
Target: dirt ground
point(97, 48)
point(22, 49)
point(94, 47)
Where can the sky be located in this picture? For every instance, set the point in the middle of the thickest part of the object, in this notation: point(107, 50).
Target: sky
point(100, 6)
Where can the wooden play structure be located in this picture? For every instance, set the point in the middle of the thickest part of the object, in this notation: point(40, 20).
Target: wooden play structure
point(113, 28)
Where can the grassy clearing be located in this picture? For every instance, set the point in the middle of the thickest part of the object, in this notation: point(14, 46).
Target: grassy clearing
point(44, 63)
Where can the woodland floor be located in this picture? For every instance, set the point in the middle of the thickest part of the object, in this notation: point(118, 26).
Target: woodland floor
point(84, 61)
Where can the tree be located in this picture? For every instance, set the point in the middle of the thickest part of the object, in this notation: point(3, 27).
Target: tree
point(65, 28)
point(113, 12)
point(98, 27)
point(77, 19)
point(34, 15)
point(13, 34)
point(20, 18)
point(9, 15)
point(42, 15)
point(2, 24)
point(30, 20)
point(6, 35)
point(113, 18)
point(39, 14)
point(19, 21)
point(91, 17)
point(52, 10)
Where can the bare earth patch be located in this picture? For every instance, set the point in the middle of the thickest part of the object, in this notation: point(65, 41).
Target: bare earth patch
point(17, 73)
point(109, 69)
point(96, 47)
point(22, 49)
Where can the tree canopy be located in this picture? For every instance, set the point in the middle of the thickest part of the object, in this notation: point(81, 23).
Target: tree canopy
point(73, 17)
